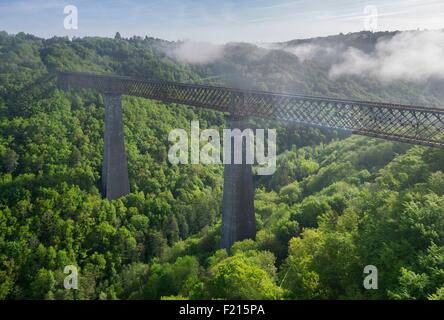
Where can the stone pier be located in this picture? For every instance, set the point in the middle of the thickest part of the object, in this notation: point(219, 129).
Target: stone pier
point(238, 216)
point(115, 182)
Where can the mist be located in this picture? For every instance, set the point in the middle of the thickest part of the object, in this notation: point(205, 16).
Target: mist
point(192, 52)
point(313, 51)
point(414, 56)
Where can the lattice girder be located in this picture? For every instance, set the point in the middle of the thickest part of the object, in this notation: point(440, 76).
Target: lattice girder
point(417, 125)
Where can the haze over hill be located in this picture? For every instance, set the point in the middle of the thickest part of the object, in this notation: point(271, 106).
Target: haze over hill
point(399, 67)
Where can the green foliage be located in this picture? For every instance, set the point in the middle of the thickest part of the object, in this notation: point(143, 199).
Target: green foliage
point(333, 206)
point(175, 279)
point(239, 277)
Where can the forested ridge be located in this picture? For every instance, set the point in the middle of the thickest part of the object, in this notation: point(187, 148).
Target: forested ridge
point(334, 205)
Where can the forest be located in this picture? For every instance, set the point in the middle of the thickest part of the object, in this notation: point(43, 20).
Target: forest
point(335, 204)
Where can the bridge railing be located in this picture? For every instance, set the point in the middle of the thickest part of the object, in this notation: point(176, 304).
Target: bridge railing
point(411, 124)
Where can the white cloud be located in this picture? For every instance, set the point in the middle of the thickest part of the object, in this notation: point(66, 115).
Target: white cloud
point(313, 51)
point(411, 56)
point(192, 52)
point(304, 51)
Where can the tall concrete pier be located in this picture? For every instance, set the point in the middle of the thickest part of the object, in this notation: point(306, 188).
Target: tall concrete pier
point(115, 182)
point(238, 217)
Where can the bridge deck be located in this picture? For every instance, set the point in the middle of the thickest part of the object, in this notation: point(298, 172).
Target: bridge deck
point(411, 124)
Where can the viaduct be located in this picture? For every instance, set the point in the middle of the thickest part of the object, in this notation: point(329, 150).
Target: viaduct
point(410, 124)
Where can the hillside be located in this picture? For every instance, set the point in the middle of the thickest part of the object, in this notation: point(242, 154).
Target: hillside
point(305, 66)
point(335, 204)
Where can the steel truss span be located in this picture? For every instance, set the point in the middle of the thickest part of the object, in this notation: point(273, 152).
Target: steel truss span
point(411, 124)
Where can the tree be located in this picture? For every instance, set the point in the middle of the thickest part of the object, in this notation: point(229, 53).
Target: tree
point(9, 160)
point(43, 285)
point(291, 193)
point(238, 278)
point(310, 209)
point(172, 229)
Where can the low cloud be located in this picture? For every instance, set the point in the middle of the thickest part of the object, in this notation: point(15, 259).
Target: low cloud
point(191, 52)
point(305, 51)
point(320, 52)
point(415, 56)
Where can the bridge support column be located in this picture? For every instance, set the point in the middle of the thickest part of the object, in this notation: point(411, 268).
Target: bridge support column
point(238, 216)
point(115, 182)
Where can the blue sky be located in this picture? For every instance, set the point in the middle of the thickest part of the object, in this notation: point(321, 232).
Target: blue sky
point(216, 20)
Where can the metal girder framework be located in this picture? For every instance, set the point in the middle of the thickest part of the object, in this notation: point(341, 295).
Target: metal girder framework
point(411, 124)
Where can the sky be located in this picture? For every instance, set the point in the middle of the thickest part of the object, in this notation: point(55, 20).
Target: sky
point(218, 21)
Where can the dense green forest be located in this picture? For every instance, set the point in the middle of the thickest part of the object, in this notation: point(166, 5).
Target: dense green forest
point(335, 204)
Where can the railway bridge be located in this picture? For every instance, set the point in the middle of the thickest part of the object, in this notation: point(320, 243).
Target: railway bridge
point(410, 124)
